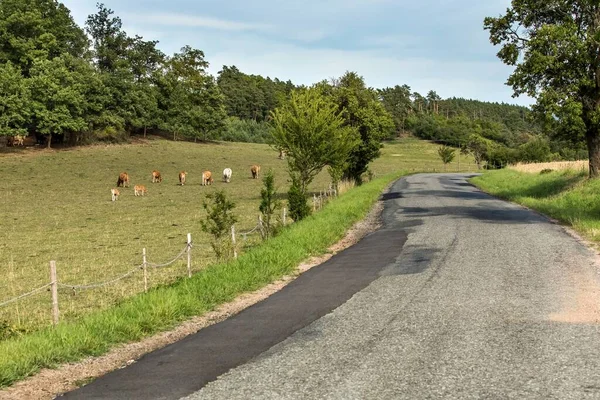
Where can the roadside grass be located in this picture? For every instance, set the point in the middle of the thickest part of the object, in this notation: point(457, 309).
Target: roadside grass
point(581, 165)
point(567, 196)
point(166, 305)
point(56, 205)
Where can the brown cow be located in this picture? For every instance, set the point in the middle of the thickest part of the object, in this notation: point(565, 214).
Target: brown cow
point(156, 177)
point(207, 178)
point(255, 169)
point(182, 175)
point(115, 194)
point(139, 190)
point(123, 179)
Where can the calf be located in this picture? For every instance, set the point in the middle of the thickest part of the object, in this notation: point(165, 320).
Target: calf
point(207, 178)
point(123, 179)
point(182, 175)
point(156, 177)
point(255, 169)
point(115, 194)
point(227, 174)
point(139, 190)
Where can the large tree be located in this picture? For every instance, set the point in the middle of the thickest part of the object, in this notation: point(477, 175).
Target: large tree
point(554, 46)
point(312, 132)
point(14, 101)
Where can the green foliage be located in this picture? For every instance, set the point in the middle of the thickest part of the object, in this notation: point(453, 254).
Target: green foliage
point(14, 101)
point(361, 110)
point(218, 222)
point(553, 47)
point(251, 97)
point(268, 204)
point(446, 154)
point(249, 131)
point(310, 129)
point(299, 208)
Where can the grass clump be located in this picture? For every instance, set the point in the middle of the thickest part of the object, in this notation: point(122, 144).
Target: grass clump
point(164, 306)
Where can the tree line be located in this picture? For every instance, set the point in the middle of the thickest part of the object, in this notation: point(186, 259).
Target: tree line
point(64, 83)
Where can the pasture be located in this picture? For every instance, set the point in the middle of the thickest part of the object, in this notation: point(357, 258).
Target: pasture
point(56, 205)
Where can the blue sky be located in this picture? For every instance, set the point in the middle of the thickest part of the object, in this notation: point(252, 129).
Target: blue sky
point(426, 44)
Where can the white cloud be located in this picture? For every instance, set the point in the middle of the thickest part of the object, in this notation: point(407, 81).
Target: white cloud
point(196, 21)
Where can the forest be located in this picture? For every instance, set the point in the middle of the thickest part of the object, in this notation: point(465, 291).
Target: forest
point(62, 83)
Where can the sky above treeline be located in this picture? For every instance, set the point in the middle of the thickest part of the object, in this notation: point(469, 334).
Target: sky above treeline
point(427, 44)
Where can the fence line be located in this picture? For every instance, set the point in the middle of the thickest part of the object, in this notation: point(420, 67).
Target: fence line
point(54, 284)
point(24, 295)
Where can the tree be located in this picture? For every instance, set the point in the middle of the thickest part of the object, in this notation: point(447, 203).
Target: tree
point(310, 129)
point(478, 147)
point(57, 91)
point(397, 102)
point(14, 101)
point(218, 222)
point(38, 29)
point(268, 203)
point(361, 109)
point(446, 153)
point(554, 48)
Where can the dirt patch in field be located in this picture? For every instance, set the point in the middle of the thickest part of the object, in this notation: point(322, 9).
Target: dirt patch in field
point(50, 382)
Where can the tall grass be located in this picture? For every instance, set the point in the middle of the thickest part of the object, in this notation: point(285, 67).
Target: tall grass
point(567, 196)
point(581, 165)
point(164, 306)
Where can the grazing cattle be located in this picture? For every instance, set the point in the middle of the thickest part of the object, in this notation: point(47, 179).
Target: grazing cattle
point(156, 177)
point(139, 190)
point(115, 194)
point(207, 178)
point(227, 174)
point(255, 169)
point(123, 179)
point(182, 175)
point(16, 140)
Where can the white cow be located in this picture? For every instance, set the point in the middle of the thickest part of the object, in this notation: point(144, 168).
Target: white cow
point(227, 174)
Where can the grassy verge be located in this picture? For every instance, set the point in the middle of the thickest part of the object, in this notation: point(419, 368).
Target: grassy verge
point(165, 306)
point(567, 196)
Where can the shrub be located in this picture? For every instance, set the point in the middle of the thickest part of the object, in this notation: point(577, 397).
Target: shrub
point(219, 219)
point(299, 209)
point(268, 204)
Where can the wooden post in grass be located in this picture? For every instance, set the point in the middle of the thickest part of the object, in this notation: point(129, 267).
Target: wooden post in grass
point(284, 215)
point(189, 254)
point(54, 290)
point(144, 264)
point(233, 241)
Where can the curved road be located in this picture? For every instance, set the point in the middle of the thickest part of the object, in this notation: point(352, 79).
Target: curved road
point(458, 296)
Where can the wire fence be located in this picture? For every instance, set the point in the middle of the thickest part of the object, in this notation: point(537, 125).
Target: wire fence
point(55, 285)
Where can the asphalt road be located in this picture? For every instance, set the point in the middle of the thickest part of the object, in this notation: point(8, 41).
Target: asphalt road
point(462, 296)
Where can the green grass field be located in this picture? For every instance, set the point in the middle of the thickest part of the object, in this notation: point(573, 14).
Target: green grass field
point(567, 196)
point(56, 205)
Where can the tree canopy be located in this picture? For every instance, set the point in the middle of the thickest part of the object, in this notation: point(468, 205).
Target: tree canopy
point(554, 47)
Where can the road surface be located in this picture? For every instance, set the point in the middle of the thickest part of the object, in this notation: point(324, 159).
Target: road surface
point(458, 296)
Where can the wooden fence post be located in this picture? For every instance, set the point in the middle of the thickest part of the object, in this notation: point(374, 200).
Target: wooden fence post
point(284, 215)
point(233, 241)
point(189, 254)
point(145, 270)
point(54, 289)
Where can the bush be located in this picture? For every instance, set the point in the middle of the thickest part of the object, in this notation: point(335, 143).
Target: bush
point(268, 204)
point(299, 209)
point(219, 220)
point(248, 131)
point(546, 171)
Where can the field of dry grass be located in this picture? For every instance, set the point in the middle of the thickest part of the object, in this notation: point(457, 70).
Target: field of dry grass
point(57, 205)
point(534, 168)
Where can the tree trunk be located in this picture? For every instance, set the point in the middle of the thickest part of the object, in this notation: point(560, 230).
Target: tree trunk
point(144, 131)
point(49, 140)
point(593, 143)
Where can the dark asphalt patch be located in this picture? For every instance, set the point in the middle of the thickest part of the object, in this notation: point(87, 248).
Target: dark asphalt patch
point(188, 365)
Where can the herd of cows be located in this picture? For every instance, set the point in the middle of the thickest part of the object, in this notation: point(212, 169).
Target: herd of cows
point(207, 179)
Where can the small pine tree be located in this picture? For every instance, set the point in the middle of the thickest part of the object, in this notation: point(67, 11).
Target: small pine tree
point(268, 204)
point(446, 154)
point(219, 219)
